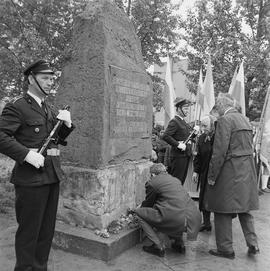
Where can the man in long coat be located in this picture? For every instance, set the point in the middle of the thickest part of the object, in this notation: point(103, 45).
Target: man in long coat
point(169, 209)
point(232, 186)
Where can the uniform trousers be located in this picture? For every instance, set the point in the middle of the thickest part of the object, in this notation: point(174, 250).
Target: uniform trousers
point(36, 209)
point(158, 237)
point(223, 229)
point(179, 167)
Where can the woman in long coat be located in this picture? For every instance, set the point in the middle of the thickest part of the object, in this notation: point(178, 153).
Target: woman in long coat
point(201, 165)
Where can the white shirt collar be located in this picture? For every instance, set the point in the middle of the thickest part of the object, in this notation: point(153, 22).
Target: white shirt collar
point(36, 98)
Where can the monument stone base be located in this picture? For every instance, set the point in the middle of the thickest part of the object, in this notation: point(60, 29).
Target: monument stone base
point(85, 243)
point(93, 198)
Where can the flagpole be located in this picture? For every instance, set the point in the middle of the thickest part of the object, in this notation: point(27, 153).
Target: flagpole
point(258, 138)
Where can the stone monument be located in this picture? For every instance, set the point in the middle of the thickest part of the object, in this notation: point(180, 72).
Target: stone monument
point(110, 94)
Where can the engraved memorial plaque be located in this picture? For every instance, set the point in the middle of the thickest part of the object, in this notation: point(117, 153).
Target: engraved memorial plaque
point(129, 100)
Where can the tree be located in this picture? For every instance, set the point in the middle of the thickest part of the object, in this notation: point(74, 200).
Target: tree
point(256, 15)
point(155, 24)
point(228, 34)
point(32, 29)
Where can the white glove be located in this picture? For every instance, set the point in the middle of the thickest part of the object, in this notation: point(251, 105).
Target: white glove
point(35, 159)
point(211, 182)
point(64, 115)
point(196, 128)
point(182, 146)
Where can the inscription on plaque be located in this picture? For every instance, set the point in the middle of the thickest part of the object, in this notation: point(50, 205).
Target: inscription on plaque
point(129, 110)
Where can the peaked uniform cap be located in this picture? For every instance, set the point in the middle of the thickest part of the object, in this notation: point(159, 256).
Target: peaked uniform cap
point(180, 101)
point(40, 66)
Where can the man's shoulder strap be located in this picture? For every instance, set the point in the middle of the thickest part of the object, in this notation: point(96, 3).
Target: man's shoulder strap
point(17, 98)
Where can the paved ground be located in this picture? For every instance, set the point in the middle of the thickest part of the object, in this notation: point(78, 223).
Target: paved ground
point(196, 258)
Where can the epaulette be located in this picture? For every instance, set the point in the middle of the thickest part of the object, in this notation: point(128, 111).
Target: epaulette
point(15, 99)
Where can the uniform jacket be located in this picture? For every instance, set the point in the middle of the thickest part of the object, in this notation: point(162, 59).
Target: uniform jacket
point(167, 205)
point(177, 130)
point(23, 125)
point(201, 163)
point(232, 167)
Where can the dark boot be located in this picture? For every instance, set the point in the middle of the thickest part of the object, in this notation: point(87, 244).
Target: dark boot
point(206, 226)
point(253, 250)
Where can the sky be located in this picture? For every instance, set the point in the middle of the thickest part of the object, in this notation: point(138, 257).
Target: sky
point(187, 4)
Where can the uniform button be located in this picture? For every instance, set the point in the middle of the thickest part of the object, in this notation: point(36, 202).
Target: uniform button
point(37, 130)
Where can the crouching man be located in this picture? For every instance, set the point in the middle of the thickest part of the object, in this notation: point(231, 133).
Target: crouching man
point(167, 209)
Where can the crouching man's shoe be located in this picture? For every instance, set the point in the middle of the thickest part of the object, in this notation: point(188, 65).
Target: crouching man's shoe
point(153, 249)
point(253, 250)
point(224, 254)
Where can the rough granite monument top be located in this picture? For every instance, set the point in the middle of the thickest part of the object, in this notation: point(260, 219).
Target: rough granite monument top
point(110, 93)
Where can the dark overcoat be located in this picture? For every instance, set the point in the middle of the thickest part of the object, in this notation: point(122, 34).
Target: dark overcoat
point(201, 163)
point(232, 167)
point(24, 125)
point(167, 206)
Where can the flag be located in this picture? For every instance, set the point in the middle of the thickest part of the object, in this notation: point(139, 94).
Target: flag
point(169, 94)
point(238, 90)
point(208, 90)
point(233, 81)
point(262, 138)
point(199, 97)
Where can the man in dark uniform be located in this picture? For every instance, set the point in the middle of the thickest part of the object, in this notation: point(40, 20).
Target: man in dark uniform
point(24, 124)
point(169, 209)
point(175, 135)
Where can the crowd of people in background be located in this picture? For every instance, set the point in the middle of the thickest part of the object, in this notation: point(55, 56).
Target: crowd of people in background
point(224, 169)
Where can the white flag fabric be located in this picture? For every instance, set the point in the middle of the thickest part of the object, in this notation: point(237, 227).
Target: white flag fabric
point(208, 90)
point(199, 98)
point(262, 139)
point(169, 94)
point(233, 81)
point(238, 91)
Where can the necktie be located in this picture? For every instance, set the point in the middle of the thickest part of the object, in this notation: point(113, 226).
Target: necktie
point(43, 106)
